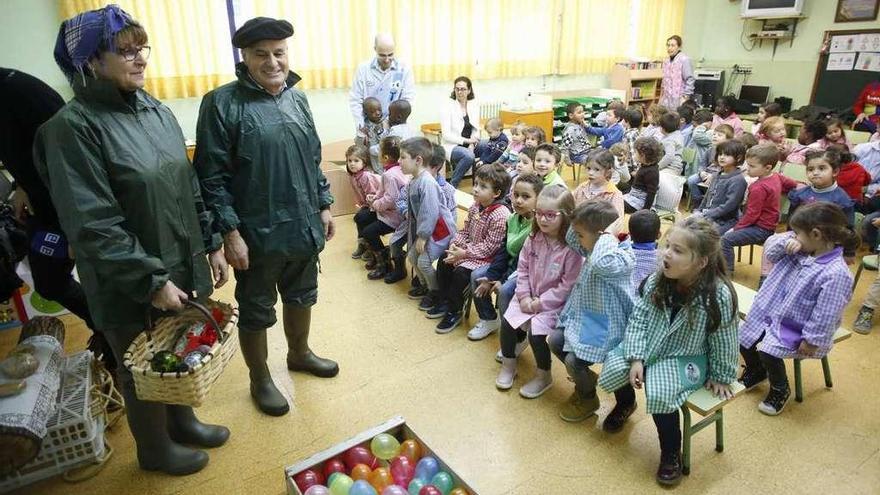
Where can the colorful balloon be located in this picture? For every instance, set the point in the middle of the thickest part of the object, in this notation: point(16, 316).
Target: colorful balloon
point(395, 490)
point(318, 490)
point(362, 487)
point(360, 472)
point(332, 477)
point(415, 486)
point(402, 469)
point(307, 479)
point(384, 446)
point(341, 484)
point(411, 449)
point(459, 491)
point(360, 455)
point(427, 468)
point(430, 490)
point(443, 481)
point(380, 478)
point(333, 465)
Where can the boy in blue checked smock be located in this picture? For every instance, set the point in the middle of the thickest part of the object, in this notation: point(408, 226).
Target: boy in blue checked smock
point(681, 335)
point(644, 230)
point(594, 317)
point(799, 306)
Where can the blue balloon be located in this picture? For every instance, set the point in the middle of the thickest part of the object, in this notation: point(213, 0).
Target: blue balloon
point(362, 487)
point(415, 486)
point(427, 468)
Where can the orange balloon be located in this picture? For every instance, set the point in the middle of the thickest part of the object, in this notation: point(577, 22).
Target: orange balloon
point(458, 491)
point(411, 449)
point(380, 478)
point(360, 472)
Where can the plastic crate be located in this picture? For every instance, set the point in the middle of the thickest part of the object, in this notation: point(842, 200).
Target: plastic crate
point(75, 436)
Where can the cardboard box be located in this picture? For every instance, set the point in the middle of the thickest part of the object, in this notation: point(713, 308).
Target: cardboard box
point(396, 426)
point(340, 187)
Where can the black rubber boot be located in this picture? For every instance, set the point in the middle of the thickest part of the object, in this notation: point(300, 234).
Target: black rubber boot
point(185, 427)
point(370, 258)
point(397, 273)
point(297, 322)
point(382, 262)
point(263, 390)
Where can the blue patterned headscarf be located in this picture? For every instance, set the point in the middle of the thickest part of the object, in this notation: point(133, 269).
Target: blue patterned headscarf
point(81, 36)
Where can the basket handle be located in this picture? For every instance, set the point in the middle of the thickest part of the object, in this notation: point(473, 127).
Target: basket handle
point(200, 307)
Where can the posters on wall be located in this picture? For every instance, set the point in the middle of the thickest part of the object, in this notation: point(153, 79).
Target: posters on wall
point(854, 52)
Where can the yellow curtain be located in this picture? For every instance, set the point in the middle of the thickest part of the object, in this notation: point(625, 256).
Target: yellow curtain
point(594, 35)
point(483, 39)
point(331, 37)
point(657, 21)
point(191, 48)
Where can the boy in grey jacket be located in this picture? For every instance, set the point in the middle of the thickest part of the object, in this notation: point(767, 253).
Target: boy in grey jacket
point(727, 189)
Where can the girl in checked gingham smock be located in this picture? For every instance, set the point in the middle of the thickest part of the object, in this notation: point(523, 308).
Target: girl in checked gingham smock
point(799, 307)
point(681, 335)
point(595, 316)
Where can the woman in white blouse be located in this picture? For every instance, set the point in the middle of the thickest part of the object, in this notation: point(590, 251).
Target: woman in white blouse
point(460, 128)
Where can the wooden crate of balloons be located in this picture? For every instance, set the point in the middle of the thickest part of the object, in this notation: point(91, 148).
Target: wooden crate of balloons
point(389, 459)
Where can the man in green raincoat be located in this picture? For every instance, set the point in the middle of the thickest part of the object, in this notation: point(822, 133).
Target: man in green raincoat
point(257, 157)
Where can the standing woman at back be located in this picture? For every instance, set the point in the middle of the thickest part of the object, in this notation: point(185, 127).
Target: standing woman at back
point(677, 85)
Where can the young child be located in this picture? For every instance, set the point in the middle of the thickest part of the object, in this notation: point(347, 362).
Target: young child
point(710, 166)
point(823, 168)
point(799, 307)
point(853, 178)
point(647, 177)
point(773, 131)
point(388, 218)
point(546, 272)
point(600, 163)
point(809, 139)
point(474, 246)
point(632, 121)
point(363, 182)
point(398, 114)
point(724, 114)
point(500, 275)
point(835, 134)
point(596, 314)
point(490, 151)
point(772, 109)
point(431, 225)
point(438, 159)
point(534, 137)
point(761, 215)
point(575, 138)
point(374, 128)
point(525, 164)
point(613, 131)
point(517, 142)
point(681, 336)
point(620, 173)
point(644, 230)
point(672, 142)
point(547, 158)
point(727, 188)
point(686, 126)
point(655, 111)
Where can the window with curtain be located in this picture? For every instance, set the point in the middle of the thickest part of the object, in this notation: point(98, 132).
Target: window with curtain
point(191, 49)
point(440, 39)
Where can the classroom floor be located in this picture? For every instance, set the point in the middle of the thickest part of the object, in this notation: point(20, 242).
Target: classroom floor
point(392, 363)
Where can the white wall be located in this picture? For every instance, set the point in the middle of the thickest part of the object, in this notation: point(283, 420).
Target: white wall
point(712, 36)
point(28, 29)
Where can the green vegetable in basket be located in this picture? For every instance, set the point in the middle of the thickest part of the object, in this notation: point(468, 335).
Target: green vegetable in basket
point(165, 362)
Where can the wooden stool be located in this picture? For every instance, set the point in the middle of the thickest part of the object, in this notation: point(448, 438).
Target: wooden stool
point(840, 335)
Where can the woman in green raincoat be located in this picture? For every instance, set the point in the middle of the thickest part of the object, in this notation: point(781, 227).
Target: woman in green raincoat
point(115, 163)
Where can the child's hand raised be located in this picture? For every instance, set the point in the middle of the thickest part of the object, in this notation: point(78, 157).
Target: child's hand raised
point(807, 349)
point(636, 374)
point(720, 390)
point(793, 246)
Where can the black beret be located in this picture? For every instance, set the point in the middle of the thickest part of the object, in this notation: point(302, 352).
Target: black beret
point(261, 28)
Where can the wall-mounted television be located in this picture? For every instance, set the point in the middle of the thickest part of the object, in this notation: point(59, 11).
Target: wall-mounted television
point(772, 8)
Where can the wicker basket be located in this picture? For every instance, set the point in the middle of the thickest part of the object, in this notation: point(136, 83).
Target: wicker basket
point(186, 388)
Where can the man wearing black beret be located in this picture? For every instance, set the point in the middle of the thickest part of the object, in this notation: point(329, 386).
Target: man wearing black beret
point(257, 157)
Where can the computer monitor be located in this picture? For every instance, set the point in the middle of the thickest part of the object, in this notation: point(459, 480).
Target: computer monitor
point(757, 95)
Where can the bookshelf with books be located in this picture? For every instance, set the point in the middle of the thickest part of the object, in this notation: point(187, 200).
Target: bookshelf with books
point(640, 81)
